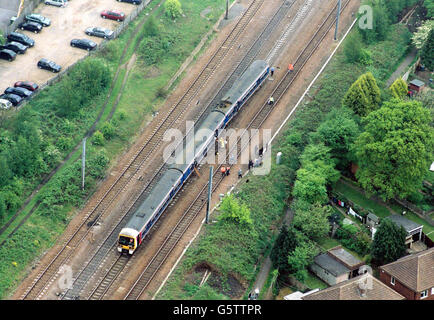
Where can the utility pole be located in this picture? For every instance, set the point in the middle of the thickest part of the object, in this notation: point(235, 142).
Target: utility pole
point(209, 194)
point(83, 163)
point(337, 20)
point(227, 9)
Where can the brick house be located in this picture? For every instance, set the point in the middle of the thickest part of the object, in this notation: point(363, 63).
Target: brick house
point(412, 276)
point(353, 289)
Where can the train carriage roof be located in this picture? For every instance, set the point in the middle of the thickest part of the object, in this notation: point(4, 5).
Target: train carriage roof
point(158, 193)
point(245, 81)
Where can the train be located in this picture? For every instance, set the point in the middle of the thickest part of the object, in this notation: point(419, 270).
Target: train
point(150, 210)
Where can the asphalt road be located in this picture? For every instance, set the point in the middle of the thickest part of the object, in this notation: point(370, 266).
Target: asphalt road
point(8, 9)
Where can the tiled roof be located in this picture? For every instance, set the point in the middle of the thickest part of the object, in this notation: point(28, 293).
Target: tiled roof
point(415, 271)
point(331, 265)
point(350, 290)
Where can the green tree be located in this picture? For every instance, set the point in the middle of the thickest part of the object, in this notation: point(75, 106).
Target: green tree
point(232, 210)
point(339, 131)
point(353, 48)
point(427, 52)
point(98, 138)
point(399, 88)
point(380, 27)
point(108, 130)
point(299, 259)
point(151, 27)
point(316, 158)
point(313, 222)
point(363, 96)
point(395, 149)
point(310, 187)
point(421, 36)
point(389, 242)
point(173, 8)
point(5, 171)
point(2, 209)
point(285, 243)
point(429, 5)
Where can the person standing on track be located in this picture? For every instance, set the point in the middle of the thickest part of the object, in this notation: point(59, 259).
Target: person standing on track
point(228, 170)
point(240, 173)
point(223, 170)
point(271, 71)
point(271, 101)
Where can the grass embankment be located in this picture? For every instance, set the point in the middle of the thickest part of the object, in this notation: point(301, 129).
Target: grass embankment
point(139, 98)
point(230, 250)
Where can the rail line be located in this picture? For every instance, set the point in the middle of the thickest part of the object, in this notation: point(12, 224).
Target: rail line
point(45, 277)
point(194, 209)
point(110, 243)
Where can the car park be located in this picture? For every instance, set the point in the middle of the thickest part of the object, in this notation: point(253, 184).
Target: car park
point(31, 26)
point(21, 38)
point(22, 92)
point(83, 44)
point(15, 46)
point(100, 32)
point(38, 19)
point(13, 98)
point(57, 3)
point(137, 2)
point(29, 85)
point(48, 65)
point(5, 104)
point(113, 15)
point(7, 54)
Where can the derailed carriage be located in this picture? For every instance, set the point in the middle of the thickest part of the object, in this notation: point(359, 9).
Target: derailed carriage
point(132, 235)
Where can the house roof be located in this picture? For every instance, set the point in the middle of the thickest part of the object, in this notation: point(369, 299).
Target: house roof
point(408, 225)
point(345, 257)
point(415, 271)
point(373, 217)
point(417, 82)
point(331, 265)
point(350, 290)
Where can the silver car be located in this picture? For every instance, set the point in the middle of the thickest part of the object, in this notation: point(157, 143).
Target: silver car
point(57, 3)
point(100, 32)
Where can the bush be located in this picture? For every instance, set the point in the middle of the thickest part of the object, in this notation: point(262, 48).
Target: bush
point(108, 130)
point(173, 8)
point(98, 138)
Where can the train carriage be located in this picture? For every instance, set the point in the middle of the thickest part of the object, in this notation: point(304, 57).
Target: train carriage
point(170, 183)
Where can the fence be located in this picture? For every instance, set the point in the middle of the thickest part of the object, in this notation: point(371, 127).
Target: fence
point(25, 11)
point(124, 24)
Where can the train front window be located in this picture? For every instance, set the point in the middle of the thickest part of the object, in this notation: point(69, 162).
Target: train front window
point(126, 241)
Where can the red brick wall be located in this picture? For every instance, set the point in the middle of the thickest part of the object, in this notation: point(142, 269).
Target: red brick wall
point(402, 289)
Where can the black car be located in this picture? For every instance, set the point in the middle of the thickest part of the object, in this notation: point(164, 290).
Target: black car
point(131, 1)
point(83, 44)
point(22, 92)
point(15, 46)
point(38, 19)
point(21, 38)
point(13, 98)
point(48, 65)
point(31, 26)
point(7, 54)
point(100, 32)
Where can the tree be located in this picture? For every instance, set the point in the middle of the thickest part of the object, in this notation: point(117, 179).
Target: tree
point(363, 96)
point(313, 222)
point(389, 242)
point(429, 5)
point(339, 131)
point(173, 8)
point(427, 52)
point(5, 171)
point(150, 28)
point(310, 187)
point(380, 25)
point(395, 149)
point(399, 88)
point(421, 36)
point(285, 243)
point(232, 210)
point(301, 258)
point(353, 48)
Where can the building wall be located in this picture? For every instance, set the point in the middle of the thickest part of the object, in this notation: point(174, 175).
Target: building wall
point(402, 289)
point(326, 276)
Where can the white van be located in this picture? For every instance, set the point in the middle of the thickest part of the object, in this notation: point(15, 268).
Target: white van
point(57, 3)
point(5, 104)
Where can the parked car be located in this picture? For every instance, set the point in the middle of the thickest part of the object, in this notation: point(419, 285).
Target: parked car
point(5, 104)
point(22, 92)
point(29, 85)
point(48, 65)
point(34, 17)
point(132, 1)
point(15, 46)
point(100, 32)
point(7, 54)
point(21, 38)
point(83, 44)
point(31, 26)
point(13, 98)
point(57, 3)
point(113, 15)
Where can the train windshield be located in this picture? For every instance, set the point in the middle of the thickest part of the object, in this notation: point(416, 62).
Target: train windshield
point(126, 241)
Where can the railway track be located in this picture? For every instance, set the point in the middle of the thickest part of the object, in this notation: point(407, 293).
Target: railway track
point(110, 243)
point(198, 203)
point(47, 275)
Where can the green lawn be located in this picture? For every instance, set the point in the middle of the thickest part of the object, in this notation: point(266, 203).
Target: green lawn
point(314, 282)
